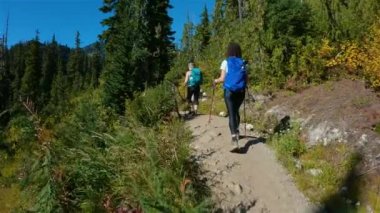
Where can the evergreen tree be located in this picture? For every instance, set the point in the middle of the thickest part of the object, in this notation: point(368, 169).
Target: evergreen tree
point(138, 48)
point(95, 66)
point(59, 89)
point(339, 20)
point(5, 80)
point(30, 80)
point(232, 10)
point(75, 67)
point(159, 40)
point(203, 33)
point(16, 69)
point(218, 17)
point(49, 68)
point(187, 37)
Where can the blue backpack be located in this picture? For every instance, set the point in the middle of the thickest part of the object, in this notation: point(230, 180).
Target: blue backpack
point(195, 77)
point(236, 76)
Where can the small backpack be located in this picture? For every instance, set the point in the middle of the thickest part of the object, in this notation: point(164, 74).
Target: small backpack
point(236, 76)
point(195, 77)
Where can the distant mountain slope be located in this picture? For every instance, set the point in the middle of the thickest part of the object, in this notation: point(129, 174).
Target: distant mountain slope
point(94, 47)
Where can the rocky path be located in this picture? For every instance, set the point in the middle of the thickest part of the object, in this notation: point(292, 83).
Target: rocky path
point(247, 180)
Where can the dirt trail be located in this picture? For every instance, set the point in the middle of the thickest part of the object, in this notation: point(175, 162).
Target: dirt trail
point(250, 180)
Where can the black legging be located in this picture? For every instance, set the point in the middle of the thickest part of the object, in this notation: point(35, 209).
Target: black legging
point(233, 102)
point(194, 90)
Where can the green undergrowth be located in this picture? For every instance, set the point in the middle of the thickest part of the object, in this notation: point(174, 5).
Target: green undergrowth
point(93, 160)
point(15, 144)
point(9, 187)
point(325, 174)
point(377, 128)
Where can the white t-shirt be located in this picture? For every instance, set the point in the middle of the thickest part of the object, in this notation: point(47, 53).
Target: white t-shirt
point(224, 66)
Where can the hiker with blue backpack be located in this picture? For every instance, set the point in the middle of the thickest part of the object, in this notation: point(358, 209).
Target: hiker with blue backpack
point(193, 81)
point(233, 75)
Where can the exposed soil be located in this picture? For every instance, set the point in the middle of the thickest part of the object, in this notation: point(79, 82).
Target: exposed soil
point(343, 111)
point(252, 180)
point(247, 180)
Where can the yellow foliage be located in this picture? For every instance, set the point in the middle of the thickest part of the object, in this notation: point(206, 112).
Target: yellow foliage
point(372, 57)
point(355, 58)
point(326, 49)
point(350, 57)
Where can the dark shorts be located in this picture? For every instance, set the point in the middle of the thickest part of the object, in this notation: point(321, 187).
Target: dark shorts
point(196, 90)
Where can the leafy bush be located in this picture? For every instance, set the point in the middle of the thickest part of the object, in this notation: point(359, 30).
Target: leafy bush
point(153, 105)
point(288, 144)
point(88, 116)
point(372, 58)
point(20, 131)
point(353, 57)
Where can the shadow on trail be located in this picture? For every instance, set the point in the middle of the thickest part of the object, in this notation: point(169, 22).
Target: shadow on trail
point(189, 116)
point(345, 200)
point(199, 183)
point(245, 148)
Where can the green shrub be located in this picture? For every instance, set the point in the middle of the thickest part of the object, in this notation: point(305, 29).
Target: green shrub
point(288, 144)
point(20, 131)
point(88, 116)
point(152, 106)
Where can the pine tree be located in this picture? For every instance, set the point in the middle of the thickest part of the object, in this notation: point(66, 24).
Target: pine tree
point(17, 55)
point(30, 80)
point(95, 66)
point(203, 33)
point(218, 17)
point(49, 68)
point(232, 10)
point(4, 77)
point(138, 46)
point(159, 40)
point(59, 89)
point(75, 67)
point(187, 37)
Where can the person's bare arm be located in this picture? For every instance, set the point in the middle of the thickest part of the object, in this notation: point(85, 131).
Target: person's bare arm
point(221, 77)
point(186, 78)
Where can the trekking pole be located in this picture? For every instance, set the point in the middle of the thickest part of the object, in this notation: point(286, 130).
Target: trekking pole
point(178, 91)
point(212, 102)
point(251, 96)
point(245, 118)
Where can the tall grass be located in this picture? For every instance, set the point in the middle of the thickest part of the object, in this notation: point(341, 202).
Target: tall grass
point(98, 162)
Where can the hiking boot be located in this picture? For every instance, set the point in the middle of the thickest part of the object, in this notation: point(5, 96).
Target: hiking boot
point(235, 141)
point(193, 113)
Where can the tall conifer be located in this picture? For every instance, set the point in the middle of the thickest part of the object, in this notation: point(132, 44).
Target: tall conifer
point(30, 80)
point(138, 47)
point(49, 69)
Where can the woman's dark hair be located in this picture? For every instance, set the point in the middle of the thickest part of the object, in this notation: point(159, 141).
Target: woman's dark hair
point(234, 50)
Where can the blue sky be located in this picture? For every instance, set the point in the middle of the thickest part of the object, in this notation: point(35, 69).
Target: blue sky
point(64, 17)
